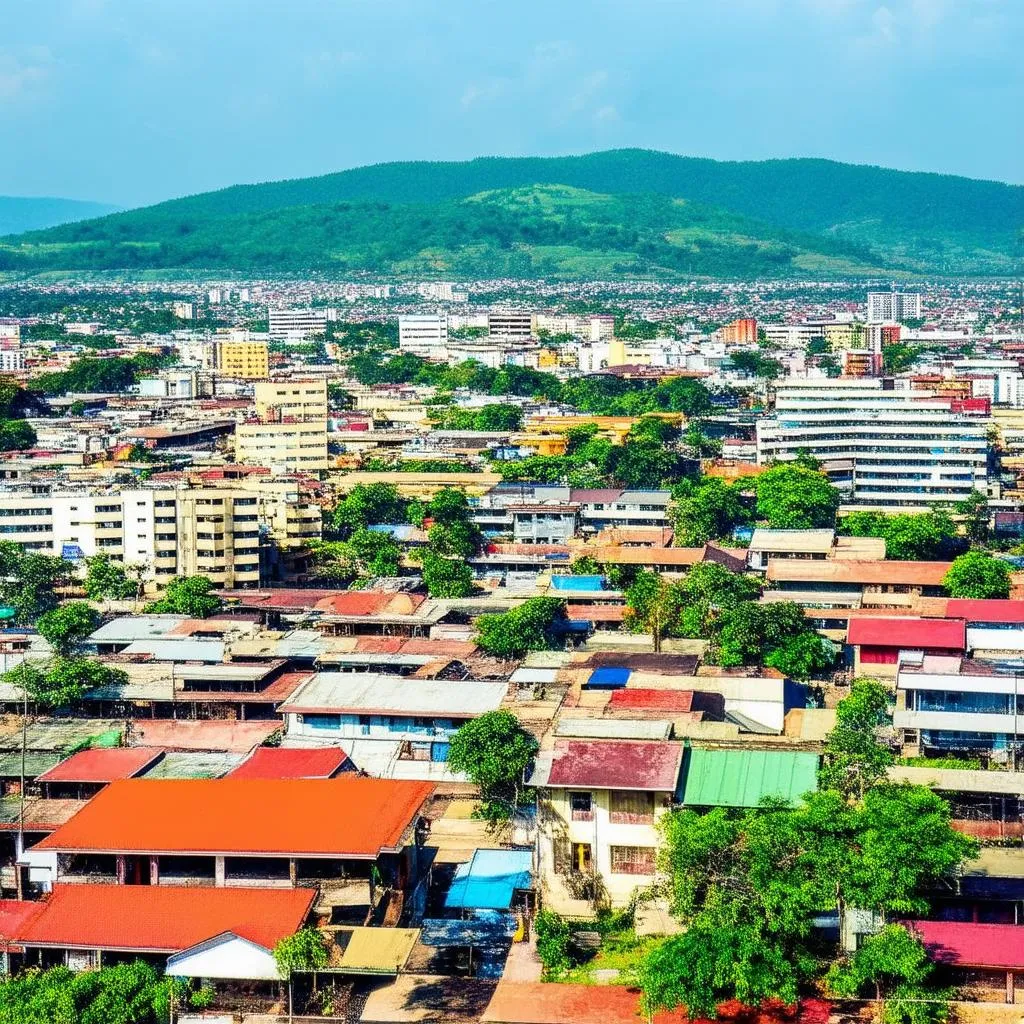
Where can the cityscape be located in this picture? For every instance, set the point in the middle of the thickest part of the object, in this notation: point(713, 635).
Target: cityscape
point(577, 585)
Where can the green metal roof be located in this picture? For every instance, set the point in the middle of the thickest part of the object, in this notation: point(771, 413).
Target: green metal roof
point(743, 778)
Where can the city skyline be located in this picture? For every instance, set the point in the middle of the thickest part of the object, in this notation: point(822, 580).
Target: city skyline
point(131, 104)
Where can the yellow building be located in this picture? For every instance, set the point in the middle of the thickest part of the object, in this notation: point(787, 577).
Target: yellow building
point(419, 485)
point(291, 400)
point(297, 446)
point(248, 360)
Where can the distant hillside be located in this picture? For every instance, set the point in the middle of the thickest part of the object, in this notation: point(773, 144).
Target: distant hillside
point(616, 213)
point(19, 214)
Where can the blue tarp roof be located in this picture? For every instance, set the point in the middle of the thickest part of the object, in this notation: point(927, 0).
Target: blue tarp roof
point(474, 932)
point(586, 583)
point(398, 531)
point(609, 677)
point(490, 879)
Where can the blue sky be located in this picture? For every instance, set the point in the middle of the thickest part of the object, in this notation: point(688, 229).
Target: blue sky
point(133, 101)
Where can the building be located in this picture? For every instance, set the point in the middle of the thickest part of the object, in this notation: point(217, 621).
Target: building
point(184, 310)
point(897, 447)
point(247, 360)
point(12, 360)
point(740, 332)
point(879, 642)
point(298, 324)
point(886, 307)
point(303, 400)
point(424, 336)
point(296, 446)
point(509, 324)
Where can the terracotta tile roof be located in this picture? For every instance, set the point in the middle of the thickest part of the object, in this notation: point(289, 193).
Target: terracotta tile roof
point(102, 765)
point(348, 816)
point(909, 634)
point(616, 764)
point(163, 918)
point(291, 763)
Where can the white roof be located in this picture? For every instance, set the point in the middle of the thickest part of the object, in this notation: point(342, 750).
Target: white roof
point(372, 693)
point(136, 627)
point(614, 728)
point(792, 541)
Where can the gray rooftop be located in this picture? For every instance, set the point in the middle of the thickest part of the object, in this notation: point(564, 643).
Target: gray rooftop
point(136, 627)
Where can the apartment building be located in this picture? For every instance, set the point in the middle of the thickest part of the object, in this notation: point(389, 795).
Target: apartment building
point(424, 336)
point(297, 324)
point(903, 448)
point(296, 446)
point(304, 400)
point(247, 360)
point(509, 324)
point(893, 305)
point(740, 332)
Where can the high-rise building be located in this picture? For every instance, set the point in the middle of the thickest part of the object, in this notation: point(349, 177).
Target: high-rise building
point(296, 324)
point(425, 336)
point(184, 310)
point(896, 447)
point(884, 307)
point(296, 446)
point(740, 332)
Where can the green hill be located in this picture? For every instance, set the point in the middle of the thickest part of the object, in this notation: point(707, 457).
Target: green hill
point(23, 213)
point(624, 212)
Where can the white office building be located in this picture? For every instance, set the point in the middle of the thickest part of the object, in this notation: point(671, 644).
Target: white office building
point(999, 380)
point(894, 306)
point(898, 447)
point(425, 336)
point(297, 324)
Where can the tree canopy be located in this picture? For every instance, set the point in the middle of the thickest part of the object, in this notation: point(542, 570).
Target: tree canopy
point(188, 595)
point(977, 575)
point(925, 536)
point(791, 496)
point(68, 625)
point(530, 626)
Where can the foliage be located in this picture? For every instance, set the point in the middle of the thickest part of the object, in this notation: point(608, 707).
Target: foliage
point(109, 580)
point(377, 553)
point(446, 577)
point(304, 952)
point(16, 435)
point(795, 497)
point(893, 958)
point(854, 760)
point(29, 581)
point(130, 993)
point(188, 595)
point(927, 536)
point(98, 374)
point(459, 540)
point(977, 575)
point(653, 428)
point(774, 634)
point(803, 655)
point(68, 625)
point(756, 365)
point(898, 356)
point(494, 750)
point(530, 626)
point(974, 512)
point(366, 505)
point(553, 944)
point(706, 510)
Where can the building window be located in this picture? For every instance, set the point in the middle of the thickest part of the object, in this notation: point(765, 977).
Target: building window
point(631, 808)
point(632, 860)
point(581, 807)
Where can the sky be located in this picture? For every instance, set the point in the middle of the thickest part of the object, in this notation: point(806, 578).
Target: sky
point(134, 101)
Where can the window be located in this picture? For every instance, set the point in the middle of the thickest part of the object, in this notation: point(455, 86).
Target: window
point(581, 807)
point(631, 808)
point(632, 860)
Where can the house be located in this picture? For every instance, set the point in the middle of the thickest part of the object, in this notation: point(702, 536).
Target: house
point(874, 583)
point(295, 763)
point(995, 628)
point(814, 545)
point(600, 801)
point(745, 778)
point(877, 642)
point(388, 724)
point(85, 773)
point(342, 834)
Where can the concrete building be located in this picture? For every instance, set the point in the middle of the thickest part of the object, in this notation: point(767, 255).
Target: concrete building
point(184, 310)
point(249, 360)
point(297, 446)
point(903, 448)
point(886, 307)
point(424, 336)
point(297, 324)
point(509, 324)
point(303, 400)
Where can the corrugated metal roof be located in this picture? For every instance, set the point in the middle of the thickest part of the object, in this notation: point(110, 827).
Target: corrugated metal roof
point(193, 765)
point(102, 765)
point(178, 650)
point(855, 571)
point(793, 541)
point(642, 698)
point(489, 881)
point(616, 764)
point(136, 627)
point(614, 728)
point(966, 944)
point(986, 611)
point(378, 950)
point(907, 634)
point(368, 693)
point(743, 778)
point(607, 678)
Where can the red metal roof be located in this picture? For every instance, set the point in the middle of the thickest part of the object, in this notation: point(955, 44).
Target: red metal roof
point(909, 634)
point(102, 765)
point(966, 944)
point(349, 816)
point(14, 917)
point(616, 764)
point(203, 734)
point(291, 763)
point(985, 611)
point(163, 918)
point(671, 701)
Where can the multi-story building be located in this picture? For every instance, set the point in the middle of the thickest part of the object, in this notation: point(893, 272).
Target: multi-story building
point(12, 360)
point(999, 380)
point(184, 310)
point(740, 332)
point(903, 448)
point(296, 446)
point(425, 336)
point(505, 324)
point(889, 306)
point(296, 324)
point(304, 400)
point(249, 360)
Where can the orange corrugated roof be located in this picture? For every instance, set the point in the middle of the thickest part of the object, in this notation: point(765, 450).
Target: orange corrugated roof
point(349, 816)
point(163, 918)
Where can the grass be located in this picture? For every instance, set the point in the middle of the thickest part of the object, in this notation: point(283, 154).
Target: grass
point(621, 951)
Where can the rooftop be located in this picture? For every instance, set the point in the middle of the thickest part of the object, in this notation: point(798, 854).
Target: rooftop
point(291, 763)
point(743, 778)
point(967, 944)
point(615, 764)
point(909, 633)
point(855, 571)
point(793, 541)
point(102, 765)
point(347, 816)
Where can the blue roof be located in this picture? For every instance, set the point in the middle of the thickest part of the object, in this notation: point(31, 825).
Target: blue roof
point(608, 677)
point(398, 531)
point(490, 879)
point(587, 583)
point(476, 931)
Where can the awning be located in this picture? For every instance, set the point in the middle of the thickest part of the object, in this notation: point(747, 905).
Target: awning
point(489, 881)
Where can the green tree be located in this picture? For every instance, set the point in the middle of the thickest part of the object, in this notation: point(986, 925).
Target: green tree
point(107, 580)
point(531, 626)
point(645, 464)
point(305, 952)
point(975, 516)
point(377, 552)
point(459, 539)
point(794, 497)
point(63, 680)
point(494, 750)
point(29, 582)
point(68, 625)
point(801, 656)
point(854, 759)
point(367, 505)
point(706, 511)
point(653, 605)
point(926, 536)
point(898, 357)
point(449, 505)
point(188, 595)
point(977, 575)
point(653, 428)
point(891, 960)
point(446, 577)
point(499, 418)
point(16, 435)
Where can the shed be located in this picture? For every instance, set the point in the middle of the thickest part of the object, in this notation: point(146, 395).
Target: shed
point(490, 880)
point(377, 950)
